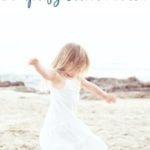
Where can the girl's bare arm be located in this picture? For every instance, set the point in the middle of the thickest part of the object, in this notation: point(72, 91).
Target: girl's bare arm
point(93, 88)
point(45, 73)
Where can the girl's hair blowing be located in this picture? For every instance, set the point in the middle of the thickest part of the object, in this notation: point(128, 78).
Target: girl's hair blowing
point(72, 57)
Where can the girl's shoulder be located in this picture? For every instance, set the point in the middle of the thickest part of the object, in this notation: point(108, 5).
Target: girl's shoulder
point(57, 79)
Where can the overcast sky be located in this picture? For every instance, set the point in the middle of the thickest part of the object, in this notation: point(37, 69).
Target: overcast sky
point(111, 32)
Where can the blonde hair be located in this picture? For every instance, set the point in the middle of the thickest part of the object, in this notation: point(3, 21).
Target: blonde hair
point(71, 58)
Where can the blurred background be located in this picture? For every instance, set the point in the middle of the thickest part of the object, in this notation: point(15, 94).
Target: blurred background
point(115, 34)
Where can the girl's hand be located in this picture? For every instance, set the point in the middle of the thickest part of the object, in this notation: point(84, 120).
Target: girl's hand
point(33, 61)
point(110, 98)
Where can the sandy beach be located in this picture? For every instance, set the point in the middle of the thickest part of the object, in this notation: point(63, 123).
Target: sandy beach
point(123, 126)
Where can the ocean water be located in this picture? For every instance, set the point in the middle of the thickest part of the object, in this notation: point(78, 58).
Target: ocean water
point(30, 80)
point(35, 80)
point(110, 70)
point(142, 74)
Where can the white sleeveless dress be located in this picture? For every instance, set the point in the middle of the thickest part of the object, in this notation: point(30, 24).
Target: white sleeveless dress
point(62, 129)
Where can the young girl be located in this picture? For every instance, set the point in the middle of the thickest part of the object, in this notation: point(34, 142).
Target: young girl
point(62, 129)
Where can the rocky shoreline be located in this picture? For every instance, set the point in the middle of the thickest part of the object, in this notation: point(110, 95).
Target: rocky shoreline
point(124, 88)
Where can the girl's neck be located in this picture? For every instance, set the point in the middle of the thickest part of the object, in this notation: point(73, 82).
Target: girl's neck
point(68, 76)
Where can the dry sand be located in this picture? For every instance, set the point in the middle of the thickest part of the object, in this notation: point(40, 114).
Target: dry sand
point(123, 126)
